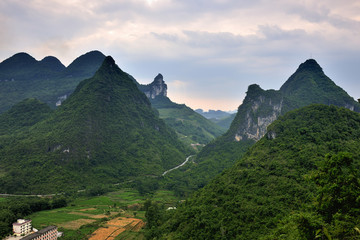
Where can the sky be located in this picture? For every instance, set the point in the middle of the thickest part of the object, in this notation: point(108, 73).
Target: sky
point(209, 51)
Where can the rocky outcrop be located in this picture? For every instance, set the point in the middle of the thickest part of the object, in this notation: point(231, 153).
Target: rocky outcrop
point(259, 110)
point(157, 88)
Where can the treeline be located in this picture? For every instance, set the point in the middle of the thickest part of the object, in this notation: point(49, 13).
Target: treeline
point(13, 208)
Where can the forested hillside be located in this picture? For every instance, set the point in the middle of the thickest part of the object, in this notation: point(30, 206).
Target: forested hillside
point(300, 181)
point(105, 132)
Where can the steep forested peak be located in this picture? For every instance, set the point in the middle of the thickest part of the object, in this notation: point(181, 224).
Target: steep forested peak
point(308, 75)
point(108, 73)
point(310, 65)
point(52, 63)
point(309, 85)
point(109, 66)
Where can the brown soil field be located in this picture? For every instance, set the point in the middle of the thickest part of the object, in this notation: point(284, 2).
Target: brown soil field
point(87, 209)
point(117, 226)
point(76, 224)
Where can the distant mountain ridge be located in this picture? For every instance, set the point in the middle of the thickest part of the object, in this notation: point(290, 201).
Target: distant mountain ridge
point(221, 118)
point(105, 132)
point(22, 66)
point(217, 114)
point(22, 76)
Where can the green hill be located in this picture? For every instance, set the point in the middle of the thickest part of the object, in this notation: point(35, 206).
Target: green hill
point(300, 181)
point(310, 85)
point(105, 132)
point(22, 77)
point(260, 108)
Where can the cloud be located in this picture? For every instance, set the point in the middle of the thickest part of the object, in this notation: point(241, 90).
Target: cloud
point(215, 47)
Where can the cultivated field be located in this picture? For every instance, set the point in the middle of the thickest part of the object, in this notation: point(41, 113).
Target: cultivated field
point(116, 215)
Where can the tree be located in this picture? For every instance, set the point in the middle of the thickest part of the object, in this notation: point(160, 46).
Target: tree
point(338, 200)
point(4, 229)
point(59, 202)
point(339, 187)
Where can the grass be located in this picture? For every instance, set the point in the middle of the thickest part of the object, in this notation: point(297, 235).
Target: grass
point(128, 196)
point(93, 207)
point(53, 217)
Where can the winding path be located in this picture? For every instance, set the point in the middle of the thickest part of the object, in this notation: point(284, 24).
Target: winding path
point(186, 160)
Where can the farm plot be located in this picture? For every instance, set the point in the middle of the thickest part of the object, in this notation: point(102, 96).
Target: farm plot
point(117, 226)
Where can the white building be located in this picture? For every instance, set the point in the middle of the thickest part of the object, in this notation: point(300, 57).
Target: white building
point(22, 227)
point(48, 233)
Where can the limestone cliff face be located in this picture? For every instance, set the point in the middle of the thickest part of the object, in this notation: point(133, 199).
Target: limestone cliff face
point(259, 109)
point(157, 88)
point(308, 85)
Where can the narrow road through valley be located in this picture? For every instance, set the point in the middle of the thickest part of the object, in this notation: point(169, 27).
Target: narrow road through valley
point(186, 160)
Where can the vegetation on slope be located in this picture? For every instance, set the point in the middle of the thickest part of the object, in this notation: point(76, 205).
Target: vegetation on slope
point(23, 115)
point(22, 76)
point(310, 85)
point(106, 132)
point(263, 190)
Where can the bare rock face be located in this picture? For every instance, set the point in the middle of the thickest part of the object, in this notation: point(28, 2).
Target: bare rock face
point(260, 109)
point(157, 88)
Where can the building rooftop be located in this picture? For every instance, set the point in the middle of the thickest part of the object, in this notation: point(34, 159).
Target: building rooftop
point(21, 221)
point(40, 232)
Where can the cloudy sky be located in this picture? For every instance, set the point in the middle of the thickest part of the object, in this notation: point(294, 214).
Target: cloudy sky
point(208, 51)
